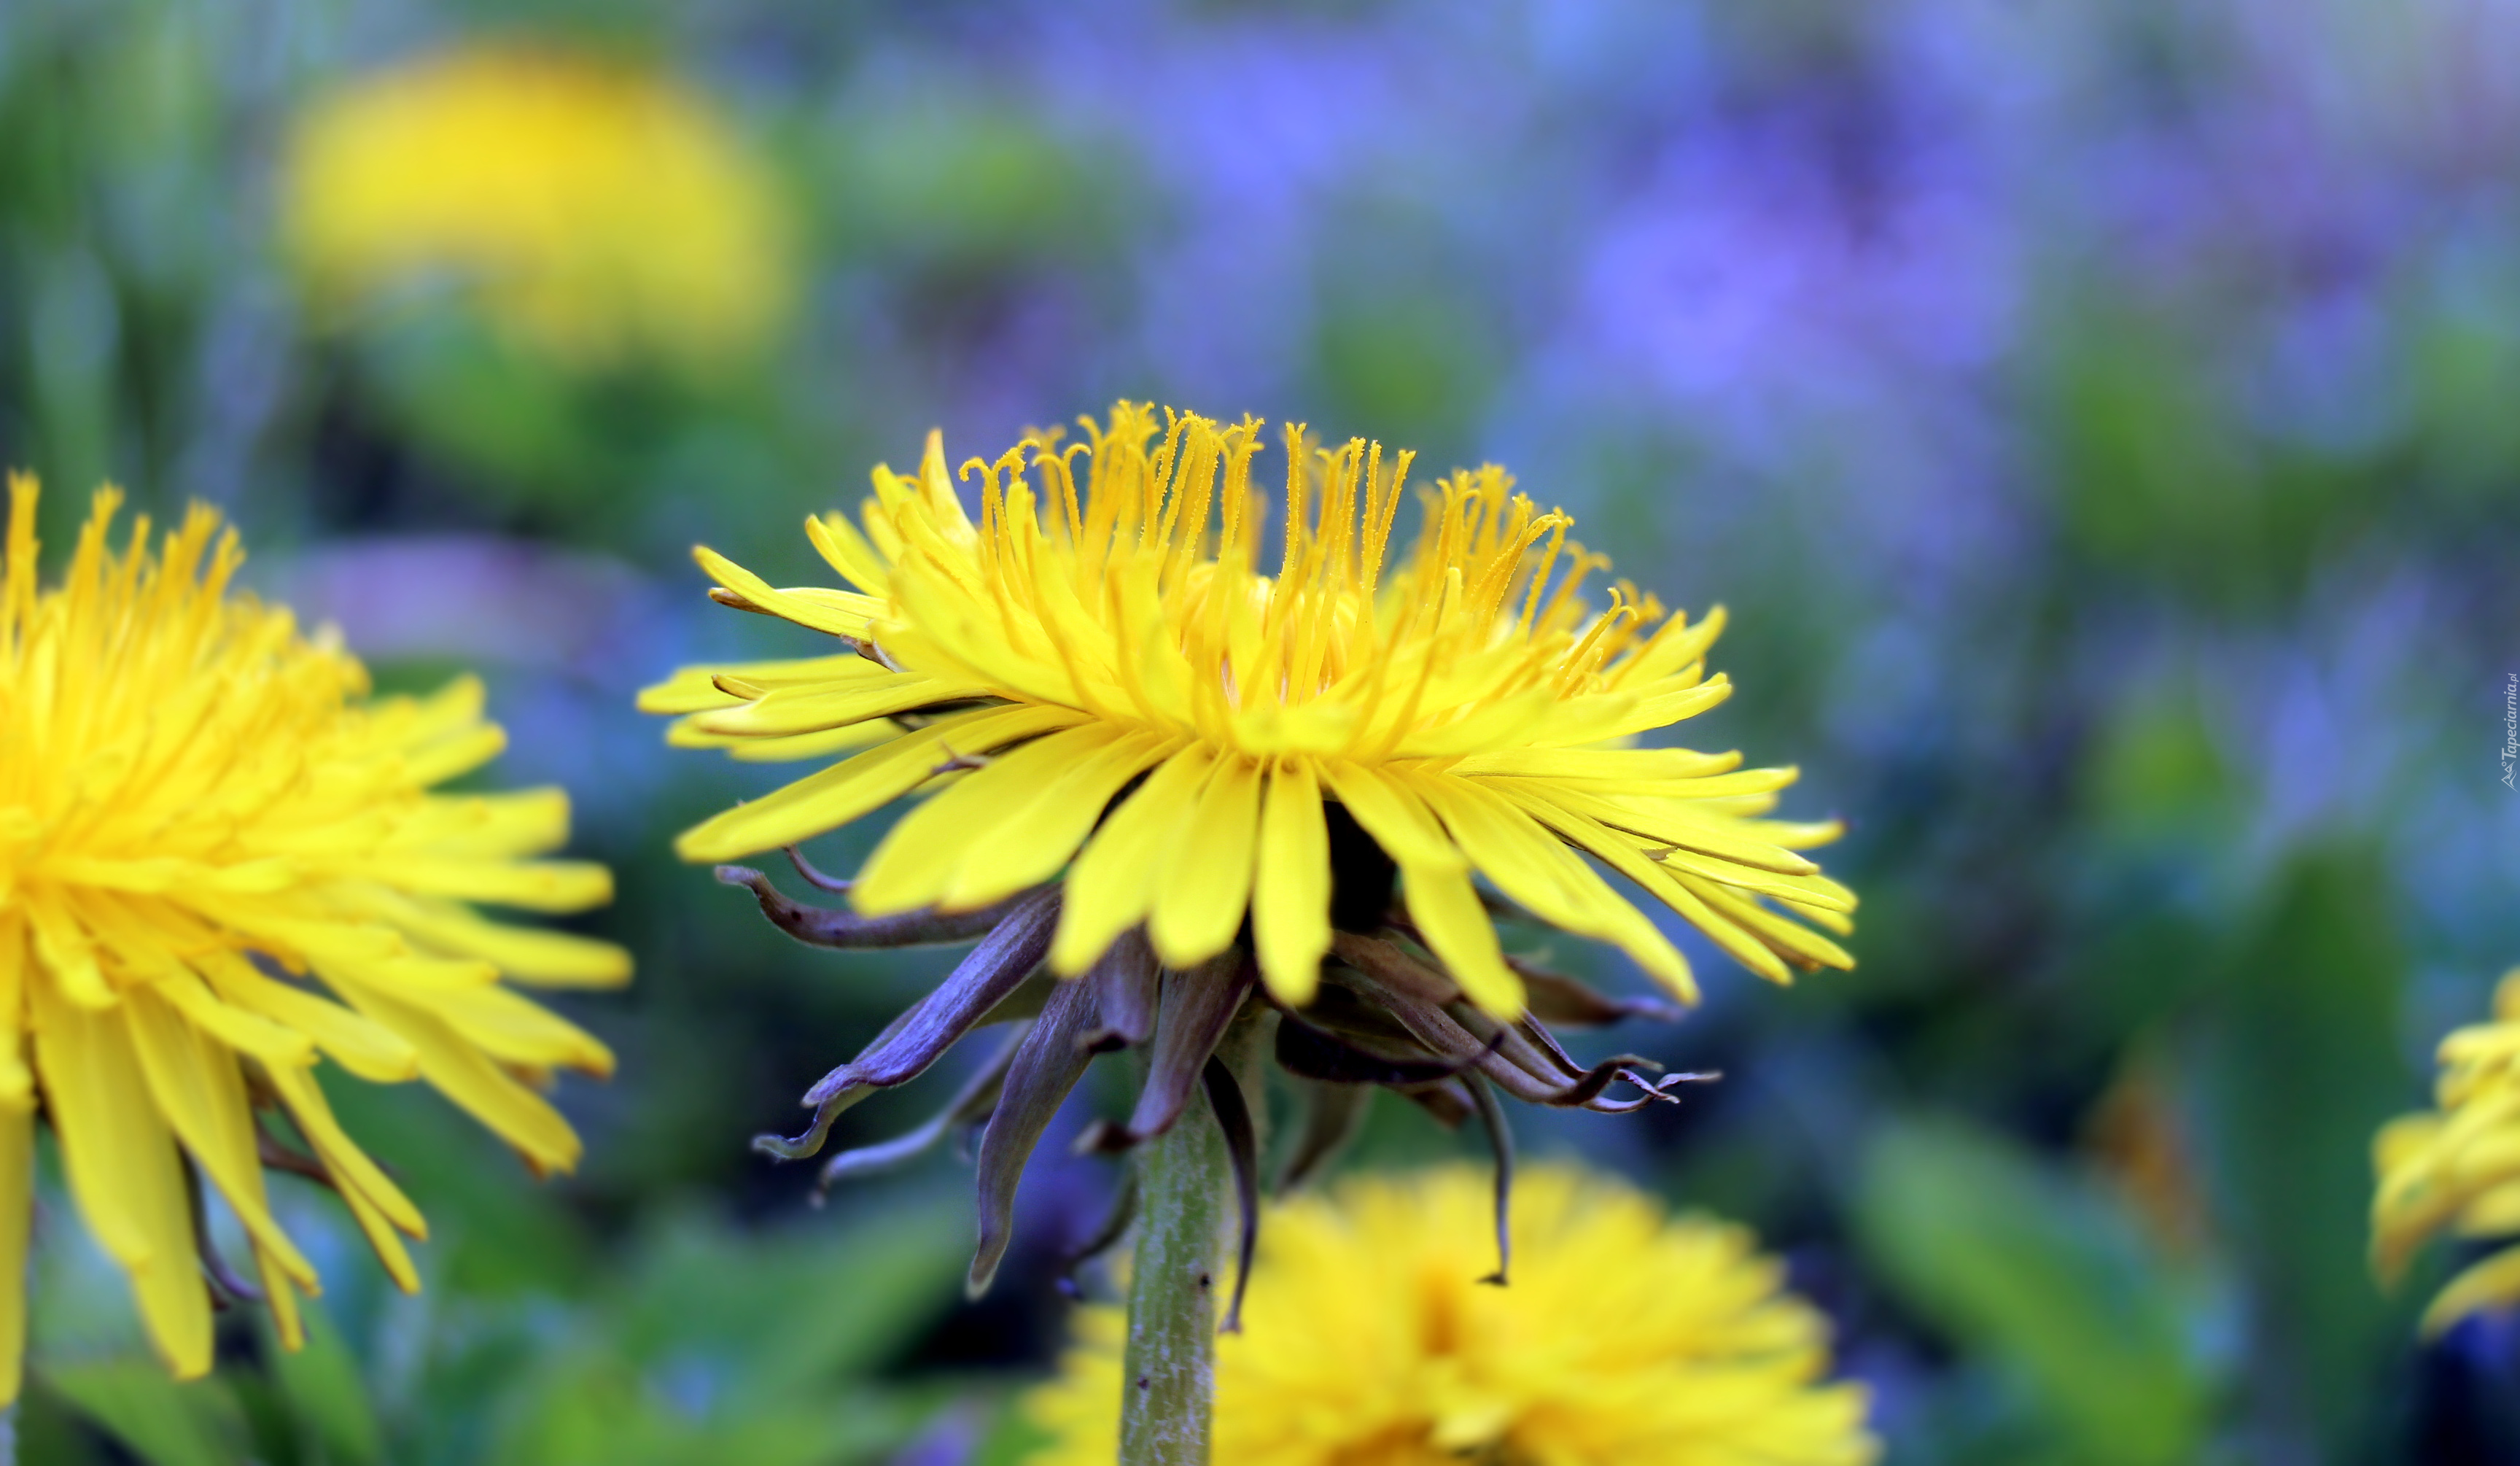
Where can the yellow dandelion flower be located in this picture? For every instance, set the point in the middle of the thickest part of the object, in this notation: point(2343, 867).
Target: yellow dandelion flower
point(1369, 1340)
point(1463, 709)
point(591, 210)
point(218, 862)
point(1156, 767)
point(2456, 1169)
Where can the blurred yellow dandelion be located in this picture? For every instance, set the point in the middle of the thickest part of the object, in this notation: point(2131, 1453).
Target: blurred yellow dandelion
point(1369, 1340)
point(2456, 1169)
point(206, 827)
point(591, 211)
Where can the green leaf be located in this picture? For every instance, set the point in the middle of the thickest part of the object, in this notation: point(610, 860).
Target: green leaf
point(2043, 1273)
point(2298, 1066)
point(160, 1421)
point(324, 1391)
point(795, 1311)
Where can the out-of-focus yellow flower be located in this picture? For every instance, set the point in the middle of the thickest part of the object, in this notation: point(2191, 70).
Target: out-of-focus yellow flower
point(593, 211)
point(218, 861)
point(1370, 1340)
point(2458, 1168)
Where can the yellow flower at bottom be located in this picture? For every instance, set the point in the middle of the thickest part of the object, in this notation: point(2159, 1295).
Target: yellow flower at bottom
point(2458, 1168)
point(219, 861)
point(1369, 1340)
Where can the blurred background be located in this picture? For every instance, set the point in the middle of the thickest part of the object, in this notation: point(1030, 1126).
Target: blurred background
point(2102, 422)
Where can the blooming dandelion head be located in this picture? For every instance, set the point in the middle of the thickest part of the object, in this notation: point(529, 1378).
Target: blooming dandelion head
point(1153, 758)
point(220, 865)
point(1368, 1338)
point(2456, 1169)
point(589, 210)
point(1112, 688)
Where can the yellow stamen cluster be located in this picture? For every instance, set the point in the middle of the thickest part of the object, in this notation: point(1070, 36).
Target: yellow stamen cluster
point(1096, 677)
point(1369, 1340)
point(218, 862)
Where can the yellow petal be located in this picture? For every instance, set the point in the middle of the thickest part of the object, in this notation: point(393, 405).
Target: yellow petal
point(794, 749)
point(375, 1204)
point(846, 551)
point(1014, 820)
point(846, 619)
point(1671, 822)
point(1204, 883)
point(1034, 837)
point(1291, 893)
point(64, 953)
point(1531, 866)
point(861, 785)
point(120, 1160)
point(526, 954)
point(199, 1090)
point(511, 1028)
point(529, 885)
point(480, 1087)
point(694, 689)
point(1395, 818)
point(2493, 1283)
point(1798, 942)
point(1112, 882)
point(16, 1080)
point(812, 710)
point(519, 822)
point(1619, 851)
point(236, 1027)
point(17, 1213)
point(279, 1295)
point(1446, 908)
point(358, 1044)
point(459, 753)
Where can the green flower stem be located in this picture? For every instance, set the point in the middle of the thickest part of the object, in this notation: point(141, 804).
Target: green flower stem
point(1180, 1270)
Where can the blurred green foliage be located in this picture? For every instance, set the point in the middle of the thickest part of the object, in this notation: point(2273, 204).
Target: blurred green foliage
point(2042, 1273)
point(2098, 421)
point(694, 1343)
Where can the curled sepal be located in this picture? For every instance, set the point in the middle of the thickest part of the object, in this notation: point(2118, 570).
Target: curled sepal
point(1332, 1114)
point(824, 926)
point(1504, 1054)
point(992, 972)
point(1242, 1149)
point(1570, 1002)
point(1046, 1065)
point(1198, 1005)
point(812, 875)
point(1500, 1145)
point(1320, 1054)
point(1309, 1053)
point(970, 1106)
point(1530, 1049)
